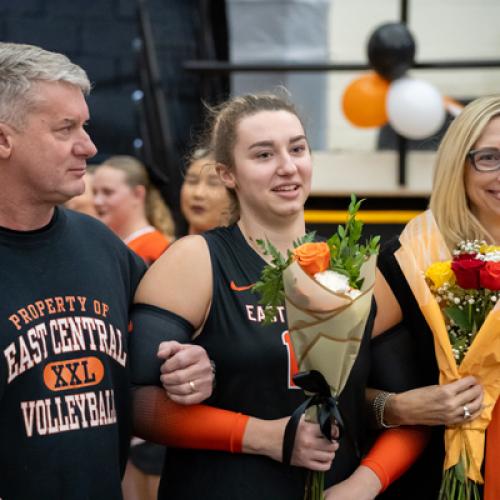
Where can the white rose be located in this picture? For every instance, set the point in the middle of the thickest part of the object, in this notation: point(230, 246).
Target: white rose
point(336, 282)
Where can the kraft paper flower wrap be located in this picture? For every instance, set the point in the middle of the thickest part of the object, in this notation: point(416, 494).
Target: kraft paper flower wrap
point(421, 245)
point(327, 289)
point(325, 327)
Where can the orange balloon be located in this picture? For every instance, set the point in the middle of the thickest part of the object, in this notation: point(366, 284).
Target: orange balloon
point(363, 101)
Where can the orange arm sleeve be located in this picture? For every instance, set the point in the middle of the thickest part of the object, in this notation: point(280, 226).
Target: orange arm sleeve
point(157, 419)
point(395, 451)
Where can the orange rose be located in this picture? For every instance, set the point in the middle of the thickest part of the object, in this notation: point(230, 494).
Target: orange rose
point(313, 257)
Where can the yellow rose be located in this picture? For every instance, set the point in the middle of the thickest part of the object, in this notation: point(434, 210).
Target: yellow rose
point(440, 273)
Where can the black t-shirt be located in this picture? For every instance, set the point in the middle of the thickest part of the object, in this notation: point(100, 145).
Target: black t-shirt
point(253, 377)
point(64, 379)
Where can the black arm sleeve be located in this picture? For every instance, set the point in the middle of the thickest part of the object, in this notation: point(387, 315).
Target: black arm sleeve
point(152, 325)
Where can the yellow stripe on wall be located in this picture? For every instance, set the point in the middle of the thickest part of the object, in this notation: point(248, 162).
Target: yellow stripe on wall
point(367, 216)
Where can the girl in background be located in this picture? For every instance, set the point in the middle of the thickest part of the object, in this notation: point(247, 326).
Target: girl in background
point(129, 205)
point(205, 201)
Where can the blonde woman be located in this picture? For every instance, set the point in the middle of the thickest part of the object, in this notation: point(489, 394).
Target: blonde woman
point(465, 202)
point(127, 203)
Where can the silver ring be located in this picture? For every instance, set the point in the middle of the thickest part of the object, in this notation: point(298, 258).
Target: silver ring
point(467, 413)
point(193, 389)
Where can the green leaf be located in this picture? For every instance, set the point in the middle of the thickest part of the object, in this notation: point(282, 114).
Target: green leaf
point(270, 285)
point(347, 256)
point(307, 238)
point(459, 317)
point(459, 470)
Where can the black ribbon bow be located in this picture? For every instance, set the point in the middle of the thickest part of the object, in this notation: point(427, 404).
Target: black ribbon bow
point(328, 411)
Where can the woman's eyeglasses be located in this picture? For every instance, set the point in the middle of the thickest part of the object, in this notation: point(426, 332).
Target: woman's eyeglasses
point(485, 160)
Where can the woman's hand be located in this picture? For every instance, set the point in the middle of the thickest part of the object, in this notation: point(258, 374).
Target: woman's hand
point(447, 404)
point(186, 373)
point(362, 484)
point(311, 449)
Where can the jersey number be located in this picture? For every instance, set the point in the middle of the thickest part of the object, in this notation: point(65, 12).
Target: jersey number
point(293, 368)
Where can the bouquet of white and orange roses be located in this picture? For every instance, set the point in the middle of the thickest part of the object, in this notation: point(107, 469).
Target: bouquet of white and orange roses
point(458, 296)
point(327, 289)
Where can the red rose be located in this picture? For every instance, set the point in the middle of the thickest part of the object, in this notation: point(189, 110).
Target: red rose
point(465, 256)
point(466, 269)
point(490, 276)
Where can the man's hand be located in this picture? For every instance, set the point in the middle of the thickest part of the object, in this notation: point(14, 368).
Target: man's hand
point(186, 374)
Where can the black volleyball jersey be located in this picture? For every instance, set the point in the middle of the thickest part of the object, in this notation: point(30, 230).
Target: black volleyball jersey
point(64, 378)
point(254, 371)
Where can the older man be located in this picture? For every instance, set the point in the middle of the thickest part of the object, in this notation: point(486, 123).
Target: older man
point(66, 287)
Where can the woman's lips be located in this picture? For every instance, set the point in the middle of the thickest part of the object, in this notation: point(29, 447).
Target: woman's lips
point(197, 209)
point(288, 191)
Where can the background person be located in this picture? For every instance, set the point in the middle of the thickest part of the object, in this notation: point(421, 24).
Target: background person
point(127, 202)
point(205, 201)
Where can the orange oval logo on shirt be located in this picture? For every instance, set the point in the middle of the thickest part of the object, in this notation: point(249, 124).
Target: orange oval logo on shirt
point(73, 373)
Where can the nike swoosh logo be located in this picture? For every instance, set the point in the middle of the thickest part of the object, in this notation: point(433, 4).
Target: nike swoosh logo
point(237, 288)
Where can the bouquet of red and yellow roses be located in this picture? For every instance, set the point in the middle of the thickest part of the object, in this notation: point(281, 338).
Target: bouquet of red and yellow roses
point(467, 287)
point(458, 296)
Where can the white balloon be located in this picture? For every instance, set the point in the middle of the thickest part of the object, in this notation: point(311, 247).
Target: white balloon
point(415, 108)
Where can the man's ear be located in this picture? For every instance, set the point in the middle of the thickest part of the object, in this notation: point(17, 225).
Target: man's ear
point(5, 141)
point(226, 175)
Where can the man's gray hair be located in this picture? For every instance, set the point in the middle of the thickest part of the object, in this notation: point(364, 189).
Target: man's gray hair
point(23, 65)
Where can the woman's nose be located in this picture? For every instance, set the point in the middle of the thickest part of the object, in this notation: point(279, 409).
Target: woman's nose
point(287, 164)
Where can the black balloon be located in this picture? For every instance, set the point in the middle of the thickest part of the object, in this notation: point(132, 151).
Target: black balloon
point(391, 50)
